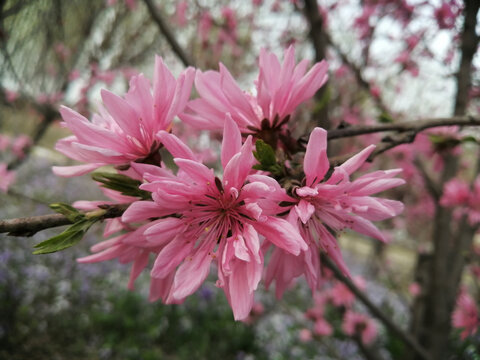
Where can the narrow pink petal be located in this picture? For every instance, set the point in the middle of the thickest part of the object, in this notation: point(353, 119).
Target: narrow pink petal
point(232, 140)
point(196, 171)
point(163, 90)
point(108, 254)
point(164, 230)
point(160, 288)
point(140, 263)
point(193, 272)
point(315, 164)
point(241, 298)
point(239, 166)
point(364, 226)
point(304, 210)
point(281, 233)
point(234, 94)
point(76, 170)
point(89, 133)
point(351, 165)
point(141, 100)
point(171, 256)
point(175, 146)
point(106, 244)
point(123, 114)
point(142, 210)
point(183, 90)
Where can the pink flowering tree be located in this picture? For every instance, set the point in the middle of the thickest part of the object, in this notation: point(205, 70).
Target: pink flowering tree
point(240, 162)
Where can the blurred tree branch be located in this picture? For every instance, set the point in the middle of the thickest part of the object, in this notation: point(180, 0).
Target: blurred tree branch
point(403, 335)
point(167, 32)
point(29, 226)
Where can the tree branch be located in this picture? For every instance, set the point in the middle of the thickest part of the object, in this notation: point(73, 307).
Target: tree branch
point(165, 30)
point(406, 338)
point(357, 73)
point(29, 226)
point(415, 126)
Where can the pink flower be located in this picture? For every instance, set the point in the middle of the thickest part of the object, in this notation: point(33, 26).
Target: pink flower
point(414, 289)
point(11, 95)
point(180, 12)
point(465, 315)
point(305, 335)
point(204, 26)
point(361, 325)
point(212, 220)
point(19, 144)
point(4, 142)
point(280, 89)
point(7, 177)
point(126, 129)
point(332, 204)
point(455, 192)
point(322, 327)
point(341, 295)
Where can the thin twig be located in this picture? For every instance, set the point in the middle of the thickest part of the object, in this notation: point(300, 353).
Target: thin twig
point(165, 30)
point(406, 338)
point(358, 74)
point(29, 226)
point(414, 126)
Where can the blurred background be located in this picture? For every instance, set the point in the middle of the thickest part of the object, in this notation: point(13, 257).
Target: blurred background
point(388, 61)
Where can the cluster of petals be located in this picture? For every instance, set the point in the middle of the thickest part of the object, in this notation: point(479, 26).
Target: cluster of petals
point(466, 316)
point(280, 88)
point(196, 219)
point(332, 204)
point(356, 324)
point(317, 313)
point(457, 195)
point(125, 130)
point(202, 219)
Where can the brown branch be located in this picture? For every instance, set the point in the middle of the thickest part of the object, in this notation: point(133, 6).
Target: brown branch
point(415, 126)
point(165, 30)
point(319, 40)
point(29, 226)
point(405, 337)
point(358, 74)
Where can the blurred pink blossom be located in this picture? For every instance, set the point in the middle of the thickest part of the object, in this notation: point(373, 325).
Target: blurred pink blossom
point(465, 315)
point(361, 325)
point(7, 177)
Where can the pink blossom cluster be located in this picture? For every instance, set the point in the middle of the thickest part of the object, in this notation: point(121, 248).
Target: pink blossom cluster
point(466, 316)
point(340, 297)
point(237, 215)
point(458, 195)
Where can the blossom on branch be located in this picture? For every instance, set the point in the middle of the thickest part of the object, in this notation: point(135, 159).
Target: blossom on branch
point(326, 205)
point(465, 315)
point(280, 89)
point(204, 219)
point(126, 129)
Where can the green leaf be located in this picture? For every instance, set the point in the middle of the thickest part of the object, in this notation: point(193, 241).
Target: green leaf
point(385, 118)
point(70, 212)
point(66, 239)
point(121, 183)
point(469, 139)
point(264, 154)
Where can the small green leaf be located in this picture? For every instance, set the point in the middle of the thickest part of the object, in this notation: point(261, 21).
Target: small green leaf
point(121, 183)
point(70, 212)
point(264, 154)
point(66, 239)
point(385, 118)
point(469, 139)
